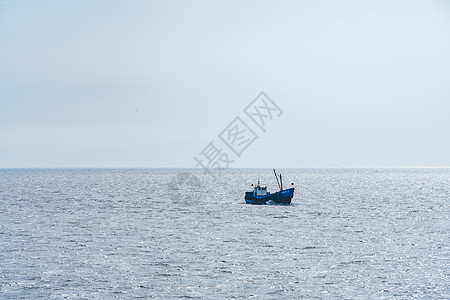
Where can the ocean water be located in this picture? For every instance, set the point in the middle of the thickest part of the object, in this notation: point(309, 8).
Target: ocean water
point(164, 234)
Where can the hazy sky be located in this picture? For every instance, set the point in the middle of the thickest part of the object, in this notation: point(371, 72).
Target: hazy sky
point(152, 83)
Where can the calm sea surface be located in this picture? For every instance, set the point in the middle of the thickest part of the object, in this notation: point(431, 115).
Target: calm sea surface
point(146, 233)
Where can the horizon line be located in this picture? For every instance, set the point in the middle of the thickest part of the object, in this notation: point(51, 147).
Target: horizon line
point(300, 167)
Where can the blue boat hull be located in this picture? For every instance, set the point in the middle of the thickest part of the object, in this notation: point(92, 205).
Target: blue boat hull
point(249, 198)
point(281, 197)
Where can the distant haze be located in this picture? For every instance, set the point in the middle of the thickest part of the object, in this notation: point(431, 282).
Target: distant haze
point(152, 83)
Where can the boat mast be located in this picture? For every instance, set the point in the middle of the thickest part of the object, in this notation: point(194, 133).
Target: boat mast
point(281, 182)
point(277, 178)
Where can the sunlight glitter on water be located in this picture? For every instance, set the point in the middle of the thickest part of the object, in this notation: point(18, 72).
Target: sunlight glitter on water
point(101, 234)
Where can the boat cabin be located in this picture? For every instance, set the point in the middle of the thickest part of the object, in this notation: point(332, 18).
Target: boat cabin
point(260, 190)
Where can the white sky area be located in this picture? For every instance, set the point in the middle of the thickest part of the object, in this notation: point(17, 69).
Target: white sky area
point(152, 83)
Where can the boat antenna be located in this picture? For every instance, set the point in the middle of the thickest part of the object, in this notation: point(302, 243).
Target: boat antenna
point(277, 178)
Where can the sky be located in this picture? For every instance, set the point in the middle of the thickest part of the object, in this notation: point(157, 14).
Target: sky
point(104, 84)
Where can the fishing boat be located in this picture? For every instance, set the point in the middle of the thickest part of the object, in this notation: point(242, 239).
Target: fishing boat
point(260, 194)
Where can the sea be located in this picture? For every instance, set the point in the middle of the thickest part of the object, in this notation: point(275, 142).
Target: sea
point(350, 233)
